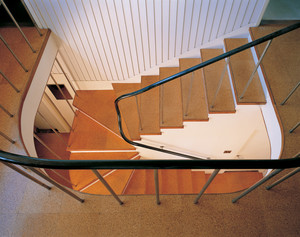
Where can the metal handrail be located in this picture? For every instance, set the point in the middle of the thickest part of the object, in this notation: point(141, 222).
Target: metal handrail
point(195, 162)
point(263, 39)
point(149, 164)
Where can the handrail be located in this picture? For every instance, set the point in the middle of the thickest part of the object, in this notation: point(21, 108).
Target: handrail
point(195, 163)
point(189, 70)
point(149, 164)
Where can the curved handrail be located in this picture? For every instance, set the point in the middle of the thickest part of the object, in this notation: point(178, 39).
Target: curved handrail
point(189, 70)
point(149, 164)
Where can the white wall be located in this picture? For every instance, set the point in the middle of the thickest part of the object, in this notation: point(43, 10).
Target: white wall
point(34, 95)
point(244, 133)
point(115, 40)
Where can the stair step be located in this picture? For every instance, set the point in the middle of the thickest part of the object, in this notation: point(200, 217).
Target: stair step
point(193, 92)
point(198, 180)
point(136, 183)
point(149, 107)
point(88, 135)
point(224, 102)
point(129, 108)
point(117, 181)
point(229, 182)
point(168, 182)
point(99, 104)
point(83, 178)
point(185, 184)
point(241, 67)
point(171, 115)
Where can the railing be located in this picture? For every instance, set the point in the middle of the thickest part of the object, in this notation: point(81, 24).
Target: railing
point(194, 162)
point(226, 56)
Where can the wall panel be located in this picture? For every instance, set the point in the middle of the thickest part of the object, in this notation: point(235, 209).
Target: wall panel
point(113, 40)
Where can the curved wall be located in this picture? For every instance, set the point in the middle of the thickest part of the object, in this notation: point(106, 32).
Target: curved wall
point(35, 94)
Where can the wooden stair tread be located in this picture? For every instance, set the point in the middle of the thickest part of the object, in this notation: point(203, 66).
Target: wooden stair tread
point(150, 107)
point(136, 183)
point(99, 104)
point(128, 108)
point(83, 178)
point(198, 180)
point(224, 102)
point(168, 181)
point(117, 181)
point(229, 182)
point(88, 135)
point(195, 104)
point(185, 184)
point(56, 145)
point(241, 67)
point(171, 115)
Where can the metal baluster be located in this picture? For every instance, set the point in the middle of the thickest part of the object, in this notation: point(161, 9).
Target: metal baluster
point(283, 178)
point(7, 138)
point(53, 129)
point(15, 168)
point(290, 94)
point(189, 94)
point(66, 76)
point(139, 113)
point(48, 148)
point(31, 17)
point(253, 73)
point(55, 184)
point(156, 186)
point(162, 103)
point(260, 182)
point(17, 25)
point(103, 181)
point(220, 83)
point(6, 111)
point(211, 178)
point(296, 126)
point(12, 52)
point(12, 85)
point(62, 94)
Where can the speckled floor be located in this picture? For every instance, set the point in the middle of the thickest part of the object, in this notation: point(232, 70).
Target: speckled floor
point(27, 209)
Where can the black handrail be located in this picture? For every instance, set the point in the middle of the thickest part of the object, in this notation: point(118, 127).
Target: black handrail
point(149, 164)
point(189, 70)
point(163, 164)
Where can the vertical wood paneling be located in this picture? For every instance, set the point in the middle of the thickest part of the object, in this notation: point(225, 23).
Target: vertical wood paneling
point(180, 19)
point(188, 25)
point(118, 39)
point(202, 22)
point(240, 14)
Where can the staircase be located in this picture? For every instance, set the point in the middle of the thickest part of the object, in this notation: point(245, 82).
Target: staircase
point(95, 133)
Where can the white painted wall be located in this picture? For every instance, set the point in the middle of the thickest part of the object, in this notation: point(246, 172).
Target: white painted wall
point(116, 40)
point(244, 133)
point(34, 95)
